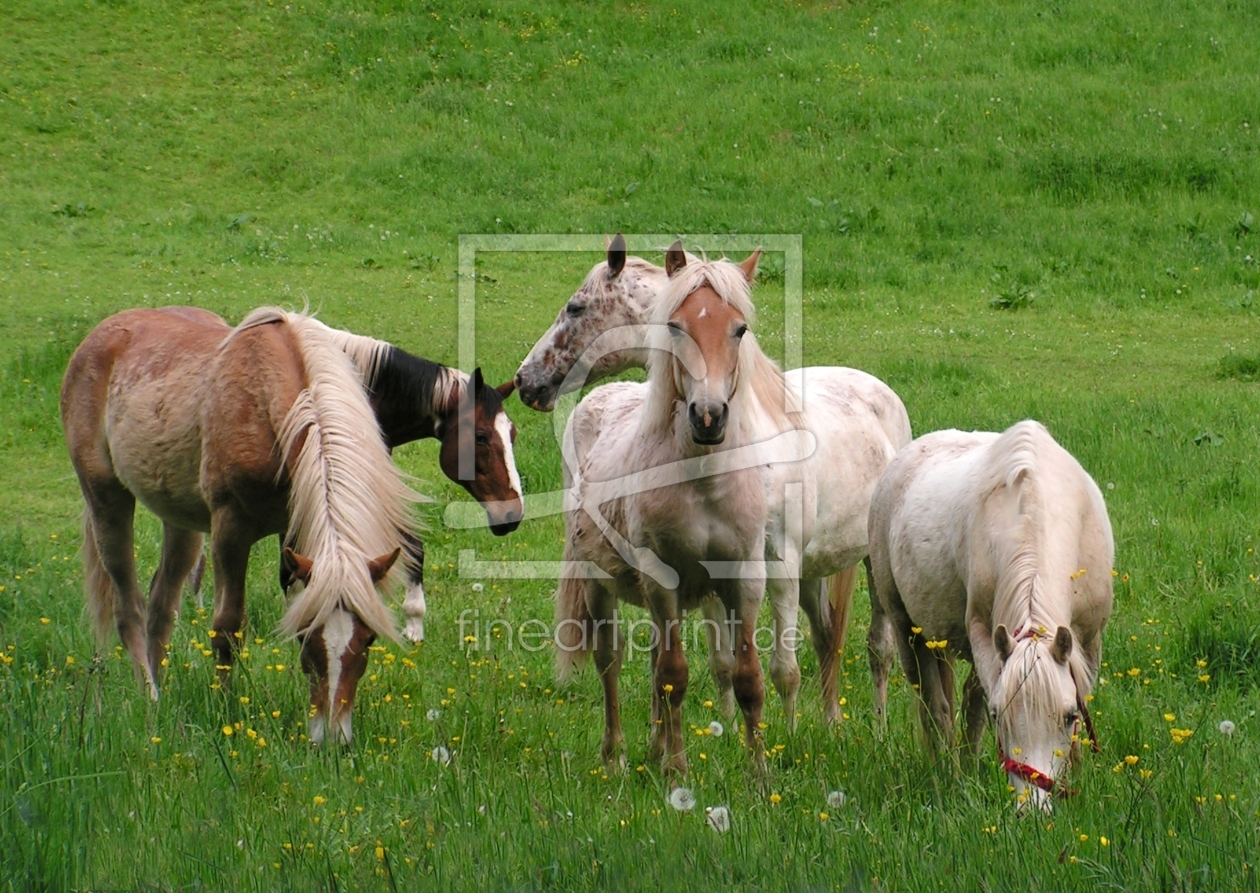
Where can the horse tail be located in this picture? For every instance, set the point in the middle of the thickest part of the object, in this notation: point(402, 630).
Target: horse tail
point(840, 596)
point(97, 584)
point(575, 626)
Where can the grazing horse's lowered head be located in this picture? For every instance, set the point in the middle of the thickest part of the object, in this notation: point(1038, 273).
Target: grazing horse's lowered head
point(1036, 710)
point(334, 653)
point(615, 299)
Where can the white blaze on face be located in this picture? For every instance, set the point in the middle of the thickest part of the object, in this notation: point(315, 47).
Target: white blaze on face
point(503, 427)
point(338, 633)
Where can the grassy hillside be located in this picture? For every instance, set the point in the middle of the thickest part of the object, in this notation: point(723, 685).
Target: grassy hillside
point(1007, 210)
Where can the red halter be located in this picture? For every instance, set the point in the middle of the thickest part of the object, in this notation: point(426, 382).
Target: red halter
point(1028, 773)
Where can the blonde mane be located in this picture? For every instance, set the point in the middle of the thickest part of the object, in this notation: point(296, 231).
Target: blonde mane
point(347, 500)
point(760, 381)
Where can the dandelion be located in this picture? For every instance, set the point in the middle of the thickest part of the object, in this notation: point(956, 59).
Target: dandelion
point(682, 799)
point(478, 587)
point(441, 755)
point(718, 818)
point(836, 799)
point(1227, 727)
point(433, 714)
point(716, 729)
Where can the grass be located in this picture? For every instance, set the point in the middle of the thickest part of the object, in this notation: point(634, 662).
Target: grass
point(1007, 211)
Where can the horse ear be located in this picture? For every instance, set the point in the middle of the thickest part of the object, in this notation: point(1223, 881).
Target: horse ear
point(1062, 647)
point(749, 266)
point(477, 381)
point(1002, 642)
point(505, 390)
point(616, 256)
point(298, 567)
point(379, 567)
point(675, 258)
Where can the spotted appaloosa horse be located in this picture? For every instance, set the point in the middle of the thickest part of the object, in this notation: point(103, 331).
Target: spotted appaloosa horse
point(243, 433)
point(996, 548)
point(659, 532)
point(818, 507)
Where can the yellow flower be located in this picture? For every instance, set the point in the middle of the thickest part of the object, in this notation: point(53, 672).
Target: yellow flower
point(822, 817)
point(1170, 717)
point(155, 740)
point(228, 731)
point(1084, 837)
point(775, 798)
point(1104, 841)
point(1200, 663)
point(319, 801)
point(1204, 677)
point(667, 688)
point(1131, 760)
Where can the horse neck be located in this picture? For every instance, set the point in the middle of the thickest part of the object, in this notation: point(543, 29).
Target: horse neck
point(411, 395)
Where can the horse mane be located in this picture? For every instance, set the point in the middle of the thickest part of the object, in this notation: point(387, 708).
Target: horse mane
point(759, 376)
point(347, 500)
point(1014, 470)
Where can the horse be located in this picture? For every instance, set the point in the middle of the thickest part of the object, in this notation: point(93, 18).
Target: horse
point(818, 507)
point(688, 503)
point(242, 433)
point(996, 548)
point(414, 399)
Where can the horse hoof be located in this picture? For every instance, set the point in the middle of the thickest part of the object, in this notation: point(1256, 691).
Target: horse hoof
point(726, 704)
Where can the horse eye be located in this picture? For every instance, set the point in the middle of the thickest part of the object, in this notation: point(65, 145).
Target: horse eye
point(742, 330)
point(575, 309)
point(483, 439)
point(674, 328)
point(1069, 718)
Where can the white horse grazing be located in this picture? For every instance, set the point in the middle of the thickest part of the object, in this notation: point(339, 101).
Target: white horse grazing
point(997, 548)
point(669, 498)
point(817, 507)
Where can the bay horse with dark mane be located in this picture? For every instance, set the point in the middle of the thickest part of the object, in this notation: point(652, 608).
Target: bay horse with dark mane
point(240, 433)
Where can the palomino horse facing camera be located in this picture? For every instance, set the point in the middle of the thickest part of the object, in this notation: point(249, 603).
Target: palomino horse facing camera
point(243, 433)
point(997, 549)
point(658, 532)
point(818, 506)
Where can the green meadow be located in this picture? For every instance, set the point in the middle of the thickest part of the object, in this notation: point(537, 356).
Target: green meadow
point(1007, 211)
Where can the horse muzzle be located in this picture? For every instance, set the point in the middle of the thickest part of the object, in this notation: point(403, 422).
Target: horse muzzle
point(504, 517)
point(540, 397)
point(708, 421)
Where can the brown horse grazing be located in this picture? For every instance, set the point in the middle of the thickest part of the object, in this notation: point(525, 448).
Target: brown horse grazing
point(242, 433)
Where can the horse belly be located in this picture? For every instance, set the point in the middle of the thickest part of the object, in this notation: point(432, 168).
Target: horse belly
point(158, 458)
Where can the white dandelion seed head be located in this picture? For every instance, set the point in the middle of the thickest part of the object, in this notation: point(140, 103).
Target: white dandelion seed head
point(716, 729)
point(441, 755)
point(682, 799)
point(718, 818)
point(836, 799)
point(433, 714)
point(1227, 727)
point(477, 587)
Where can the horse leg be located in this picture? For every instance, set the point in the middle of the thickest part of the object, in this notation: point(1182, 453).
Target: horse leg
point(717, 630)
point(943, 700)
point(821, 628)
point(195, 579)
point(180, 551)
point(750, 686)
point(414, 606)
point(975, 708)
point(785, 671)
point(112, 510)
point(879, 652)
point(229, 545)
point(669, 681)
point(608, 647)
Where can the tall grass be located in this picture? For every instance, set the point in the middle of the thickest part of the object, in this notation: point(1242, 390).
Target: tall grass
point(1092, 168)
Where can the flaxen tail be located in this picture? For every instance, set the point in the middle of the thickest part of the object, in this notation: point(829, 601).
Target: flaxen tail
point(840, 596)
point(97, 585)
point(574, 625)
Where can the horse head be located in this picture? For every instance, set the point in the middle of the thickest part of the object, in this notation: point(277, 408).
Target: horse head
point(613, 295)
point(334, 653)
point(706, 332)
point(495, 482)
point(1037, 710)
